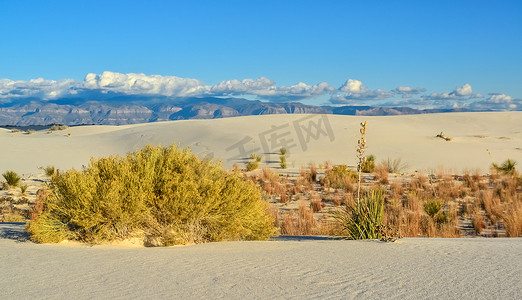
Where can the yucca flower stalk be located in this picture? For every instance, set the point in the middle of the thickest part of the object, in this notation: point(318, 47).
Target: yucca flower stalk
point(361, 146)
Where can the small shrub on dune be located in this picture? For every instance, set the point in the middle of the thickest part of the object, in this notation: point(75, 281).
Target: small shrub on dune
point(432, 207)
point(369, 164)
point(12, 178)
point(340, 177)
point(507, 167)
point(167, 195)
point(58, 127)
point(282, 158)
point(50, 171)
point(253, 164)
point(23, 188)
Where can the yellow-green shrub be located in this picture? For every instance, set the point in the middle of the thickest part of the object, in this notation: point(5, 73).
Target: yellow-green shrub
point(166, 194)
point(340, 176)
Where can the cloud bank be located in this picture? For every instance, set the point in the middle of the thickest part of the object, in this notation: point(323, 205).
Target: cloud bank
point(352, 92)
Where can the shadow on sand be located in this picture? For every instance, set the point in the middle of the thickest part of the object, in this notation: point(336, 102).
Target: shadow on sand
point(14, 231)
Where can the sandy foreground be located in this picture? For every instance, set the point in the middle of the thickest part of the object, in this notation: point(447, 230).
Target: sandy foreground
point(412, 268)
point(478, 139)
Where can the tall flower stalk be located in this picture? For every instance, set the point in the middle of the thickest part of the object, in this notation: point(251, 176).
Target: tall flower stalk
point(361, 145)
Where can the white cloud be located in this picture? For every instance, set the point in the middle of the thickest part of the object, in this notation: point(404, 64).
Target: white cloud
point(37, 88)
point(138, 83)
point(354, 89)
point(353, 86)
point(460, 92)
point(266, 89)
point(464, 90)
point(141, 84)
point(500, 98)
point(408, 92)
point(497, 102)
point(354, 92)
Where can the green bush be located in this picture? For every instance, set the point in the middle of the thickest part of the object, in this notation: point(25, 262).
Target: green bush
point(12, 178)
point(282, 161)
point(253, 164)
point(164, 194)
point(49, 170)
point(433, 206)
point(363, 221)
point(23, 188)
point(340, 176)
point(369, 164)
point(507, 167)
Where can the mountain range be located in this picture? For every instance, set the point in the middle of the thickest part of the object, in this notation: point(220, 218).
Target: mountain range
point(123, 110)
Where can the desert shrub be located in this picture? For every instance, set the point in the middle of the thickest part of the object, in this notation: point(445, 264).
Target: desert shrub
point(58, 127)
point(340, 177)
point(12, 217)
point(167, 195)
point(432, 207)
point(253, 164)
point(282, 161)
point(368, 164)
point(364, 220)
point(282, 158)
point(23, 188)
point(12, 178)
point(394, 166)
point(507, 167)
point(49, 170)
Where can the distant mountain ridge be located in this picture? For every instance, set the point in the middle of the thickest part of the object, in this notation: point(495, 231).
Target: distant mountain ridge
point(135, 109)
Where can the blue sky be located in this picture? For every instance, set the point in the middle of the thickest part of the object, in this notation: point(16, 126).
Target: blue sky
point(416, 53)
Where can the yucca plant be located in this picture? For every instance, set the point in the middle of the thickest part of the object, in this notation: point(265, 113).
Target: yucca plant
point(432, 206)
point(507, 167)
point(23, 188)
point(365, 219)
point(50, 171)
point(12, 178)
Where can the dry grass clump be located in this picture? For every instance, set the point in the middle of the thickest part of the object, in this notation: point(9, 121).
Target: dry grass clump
point(478, 222)
point(166, 194)
point(301, 222)
point(316, 203)
point(394, 166)
point(381, 174)
point(513, 218)
point(491, 204)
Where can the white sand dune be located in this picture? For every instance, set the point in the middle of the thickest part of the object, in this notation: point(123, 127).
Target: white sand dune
point(308, 269)
point(413, 268)
point(478, 140)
